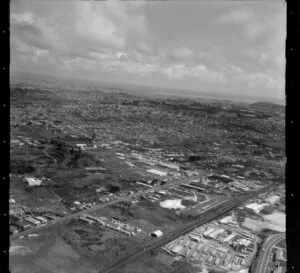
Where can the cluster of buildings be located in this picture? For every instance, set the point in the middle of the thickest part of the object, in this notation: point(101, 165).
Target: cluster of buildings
point(27, 221)
point(112, 224)
point(21, 141)
point(32, 182)
point(216, 246)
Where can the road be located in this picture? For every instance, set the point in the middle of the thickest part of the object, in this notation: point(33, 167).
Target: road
point(77, 214)
point(92, 209)
point(101, 206)
point(266, 250)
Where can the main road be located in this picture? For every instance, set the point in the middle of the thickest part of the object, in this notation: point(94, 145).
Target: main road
point(266, 250)
point(68, 217)
point(103, 205)
point(78, 214)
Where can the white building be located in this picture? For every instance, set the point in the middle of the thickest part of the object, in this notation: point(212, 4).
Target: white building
point(30, 181)
point(157, 233)
point(158, 172)
point(81, 146)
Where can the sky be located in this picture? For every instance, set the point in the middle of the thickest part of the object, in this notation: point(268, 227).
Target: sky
point(230, 47)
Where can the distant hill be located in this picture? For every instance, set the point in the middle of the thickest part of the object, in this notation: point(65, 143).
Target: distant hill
point(93, 85)
point(267, 107)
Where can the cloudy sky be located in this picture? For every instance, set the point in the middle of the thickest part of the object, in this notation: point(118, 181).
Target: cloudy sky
point(229, 47)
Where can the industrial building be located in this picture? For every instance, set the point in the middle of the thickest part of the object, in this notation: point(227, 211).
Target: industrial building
point(30, 181)
point(94, 169)
point(157, 172)
point(191, 186)
point(279, 269)
point(229, 237)
point(169, 165)
point(215, 233)
point(81, 146)
point(32, 221)
point(177, 249)
point(86, 220)
point(207, 232)
point(279, 255)
point(42, 219)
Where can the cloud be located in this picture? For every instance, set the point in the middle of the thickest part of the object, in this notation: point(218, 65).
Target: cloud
point(129, 39)
point(179, 71)
point(75, 29)
point(182, 53)
point(239, 16)
point(260, 80)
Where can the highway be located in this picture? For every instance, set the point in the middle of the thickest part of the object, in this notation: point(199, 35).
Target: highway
point(78, 214)
point(266, 250)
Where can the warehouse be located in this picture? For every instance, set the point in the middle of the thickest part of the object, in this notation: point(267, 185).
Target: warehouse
point(129, 164)
point(95, 169)
point(42, 219)
point(229, 237)
point(279, 255)
point(157, 172)
point(207, 232)
point(215, 233)
point(220, 178)
point(193, 187)
point(177, 249)
point(30, 181)
point(217, 261)
point(170, 166)
point(32, 221)
point(210, 258)
point(86, 220)
point(279, 269)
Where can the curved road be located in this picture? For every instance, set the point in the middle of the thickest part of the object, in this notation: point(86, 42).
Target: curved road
point(266, 250)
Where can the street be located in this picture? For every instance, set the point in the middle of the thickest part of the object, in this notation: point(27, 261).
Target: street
point(265, 251)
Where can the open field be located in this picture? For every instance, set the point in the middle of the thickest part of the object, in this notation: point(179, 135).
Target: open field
point(47, 252)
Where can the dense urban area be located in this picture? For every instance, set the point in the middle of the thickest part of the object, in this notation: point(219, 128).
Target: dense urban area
point(108, 180)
